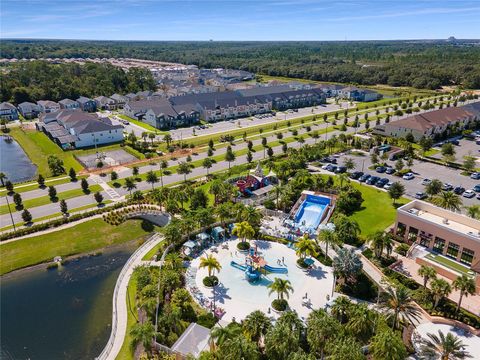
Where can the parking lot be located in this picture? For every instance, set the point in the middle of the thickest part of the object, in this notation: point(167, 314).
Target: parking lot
point(228, 125)
point(421, 170)
point(465, 147)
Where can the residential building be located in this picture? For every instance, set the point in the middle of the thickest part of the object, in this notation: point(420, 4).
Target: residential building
point(8, 112)
point(448, 241)
point(48, 106)
point(29, 110)
point(87, 104)
point(120, 100)
point(131, 97)
point(73, 128)
point(105, 103)
point(162, 114)
point(68, 104)
point(432, 123)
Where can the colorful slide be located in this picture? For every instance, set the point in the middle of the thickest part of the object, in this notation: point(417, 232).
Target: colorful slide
point(238, 266)
point(276, 269)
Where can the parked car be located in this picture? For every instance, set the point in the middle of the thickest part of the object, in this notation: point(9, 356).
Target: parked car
point(447, 187)
point(356, 175)
point(469, 194)
point(420, 195)
point(475, 175)
point(476, 188)
point(364, 177)
point(478, 196)
point(340, 169)
point(388, 185)
point(390, 170)
point(372, 180)
point(381, 183)
point(329, 159)
point(426, 181)
point(331, 167)
point(380, 169)
point(459, 190)
point(325, 167)
point(408, 176)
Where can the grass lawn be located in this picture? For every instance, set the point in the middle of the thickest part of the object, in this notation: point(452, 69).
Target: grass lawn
point(146, 126)
point(126, 351)
point(149, 255)
point(82, 238)
point(378, 211)
point(451, 264)
point(39, 201)
point(20, 188)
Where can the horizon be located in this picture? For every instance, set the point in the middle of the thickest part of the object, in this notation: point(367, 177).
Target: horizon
point(236, 21)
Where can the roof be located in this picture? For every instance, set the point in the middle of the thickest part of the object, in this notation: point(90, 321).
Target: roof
point(67, 102)
point(27, 106)
point(83, 100)
point(264, 90)
point(263, 190)
point(47, 103)
point(104, 100)
point(81, 122)
point(7, 106)
point(118, 98)
point(428, 120)
point(193, 341)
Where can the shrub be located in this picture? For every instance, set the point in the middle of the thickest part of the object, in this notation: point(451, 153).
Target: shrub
point(207, 320)
point(301, 263)
point(52, 266)
point(402, 249)
point(280, 304)
point(243, 245)
point(210, 281)
point(401, 279)
point(363, 288)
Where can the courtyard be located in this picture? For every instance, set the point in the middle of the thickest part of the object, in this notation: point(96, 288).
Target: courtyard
point(237, 297)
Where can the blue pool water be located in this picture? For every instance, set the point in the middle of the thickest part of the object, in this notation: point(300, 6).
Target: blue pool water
point(311, 211)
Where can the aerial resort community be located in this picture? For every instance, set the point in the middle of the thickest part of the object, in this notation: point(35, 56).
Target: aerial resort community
point(239, 200)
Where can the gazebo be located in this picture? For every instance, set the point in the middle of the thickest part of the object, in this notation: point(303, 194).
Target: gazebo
point(202, 238)
point(218, 233)
point(188, 247)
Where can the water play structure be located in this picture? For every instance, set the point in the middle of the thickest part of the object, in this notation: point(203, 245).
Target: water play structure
point(256, 183)
point(254, 264)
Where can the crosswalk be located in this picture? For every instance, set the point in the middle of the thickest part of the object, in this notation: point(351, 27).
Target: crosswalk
point(115, 196)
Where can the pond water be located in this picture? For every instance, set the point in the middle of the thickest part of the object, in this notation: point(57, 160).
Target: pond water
point(14, 162)
point(60, 314)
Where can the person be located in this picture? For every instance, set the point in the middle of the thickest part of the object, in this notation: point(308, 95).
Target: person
point(283, 260)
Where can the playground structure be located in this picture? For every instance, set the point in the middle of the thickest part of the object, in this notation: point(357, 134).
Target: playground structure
point(256, 183)
point(254, 264)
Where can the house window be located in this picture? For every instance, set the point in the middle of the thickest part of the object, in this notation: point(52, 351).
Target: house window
point(412, 234)
point(438, 245)
point(452, 250)
point(467, 256)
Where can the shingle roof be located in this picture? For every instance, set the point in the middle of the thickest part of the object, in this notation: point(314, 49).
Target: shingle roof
point(67, 102)
point(7, 106)
point(83, 100)
point(47, 103)
point(118, 98)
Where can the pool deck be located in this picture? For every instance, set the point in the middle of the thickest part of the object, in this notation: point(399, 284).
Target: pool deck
point(240, 299)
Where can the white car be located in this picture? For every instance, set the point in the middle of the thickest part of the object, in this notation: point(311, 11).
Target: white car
point(408, 176)
point(324, 167)
point(426, 181)
point(475, 176)
point(469, 194)
point(388, 185)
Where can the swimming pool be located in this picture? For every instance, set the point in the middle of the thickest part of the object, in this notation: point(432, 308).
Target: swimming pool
point(311, 211)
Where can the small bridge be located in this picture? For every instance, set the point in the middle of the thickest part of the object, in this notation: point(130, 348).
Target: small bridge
point(156, 217)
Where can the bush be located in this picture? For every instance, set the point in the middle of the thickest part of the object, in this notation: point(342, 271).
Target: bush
point(301, 263)
point(210, 281)
point(269, 204)
point(243, 246)
point(363, 288)
point(401, 279)
point(207, 320)
point(280, 304)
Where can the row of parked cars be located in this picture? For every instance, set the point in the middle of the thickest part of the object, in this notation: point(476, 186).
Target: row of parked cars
point(459, 190)
point(368, 179)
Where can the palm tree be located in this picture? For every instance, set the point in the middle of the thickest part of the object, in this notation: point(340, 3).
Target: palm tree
point(251, 214)
point(473, 211)
point(207, 163)
point(162, 165)
point(243, 230)
point(447, 347)
point(343, 177)
point(168, 139)
point(171, 232)
point(439, 288)
point(341, 308)
point(428, 273)
point(466, 285)
point(2, 178)
point(327, 237)
point(362, 322)
point(255, 326)
point(400, 306)
point(130, 184)
point(378, 243)
point(143, 333)
point(305, 247)
point(448, 200)
point(281, 287)
point(347, 265)
point(152, 178)
point(211, 263)
point(221, 334)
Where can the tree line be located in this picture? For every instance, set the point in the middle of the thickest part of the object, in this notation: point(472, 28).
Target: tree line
point(40, 80)
point(420, 64)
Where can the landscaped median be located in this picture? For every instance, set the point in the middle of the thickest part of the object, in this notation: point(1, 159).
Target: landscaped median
point(81, 238)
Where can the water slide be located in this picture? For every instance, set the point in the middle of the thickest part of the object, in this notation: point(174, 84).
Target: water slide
point(276, 269)
point(238, 266)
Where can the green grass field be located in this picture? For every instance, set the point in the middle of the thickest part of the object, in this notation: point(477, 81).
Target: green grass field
point(81, 238)
point(39, 201)
point(451, 264)
point(146, 126)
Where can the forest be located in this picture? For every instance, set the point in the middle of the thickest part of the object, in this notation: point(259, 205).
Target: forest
point(39, 80)
point(420, 64)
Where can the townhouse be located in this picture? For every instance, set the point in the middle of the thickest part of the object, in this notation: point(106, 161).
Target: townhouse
point(29, 110)
point(68, 104)
point(105, 103)
point(8, 112)
point(120, 100)
point(48, 106)
point(73, 128)
point(87, 104)
point(432, 123)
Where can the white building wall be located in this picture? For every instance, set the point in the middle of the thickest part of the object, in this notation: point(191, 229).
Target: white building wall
point(100, 137)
